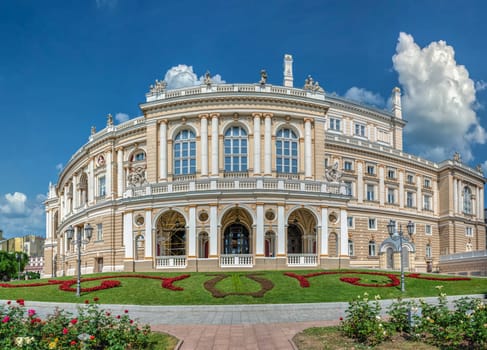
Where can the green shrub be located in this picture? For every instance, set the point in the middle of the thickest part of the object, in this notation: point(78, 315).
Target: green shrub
point(363, 321)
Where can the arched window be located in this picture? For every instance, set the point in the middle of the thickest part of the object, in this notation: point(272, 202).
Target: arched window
point(235, 149)
point(286, 151)
point(467, 200)
point(185, 153)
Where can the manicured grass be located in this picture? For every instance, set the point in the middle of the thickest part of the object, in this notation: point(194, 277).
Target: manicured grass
point(323, 288)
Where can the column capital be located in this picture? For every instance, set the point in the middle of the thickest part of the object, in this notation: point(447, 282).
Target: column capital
point(214, 115)
point(310, 120)
point(257, 115)
point(268, 115)
point(203, 116)
point(162, 121)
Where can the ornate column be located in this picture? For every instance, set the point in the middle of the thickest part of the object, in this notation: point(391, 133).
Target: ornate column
point(460, 196)
point(381, 193)
point(214, 144)
point(455, 196)
point(213, 231)
point(259, 237)
point(481, 201)
point(192, 232)
point(257, 143)
point(128, 238)
point(204, 144)
point(419, 198)
point(109, 167)
point(91, 181)
point(401, 189)
point(76, 201)
point(163, 150)
point(343, 233)
point(324, 231)
point(281, 231)
point(268, 144)
point(148, 234)
point(308, 156)
point(360, 182)
point(48, 225)
point(120, 172)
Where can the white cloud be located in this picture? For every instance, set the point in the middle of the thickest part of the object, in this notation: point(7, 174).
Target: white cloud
point(20, 216)
point(364, 96)
point(59, 166)
point(480, 85)
point(183, 76)
point(106, 3)
point(439, 100)
point(121, 117)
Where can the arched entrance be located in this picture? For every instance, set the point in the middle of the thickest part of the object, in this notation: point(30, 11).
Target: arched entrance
point(236, 238)
point(171, 234)
point(301, 238)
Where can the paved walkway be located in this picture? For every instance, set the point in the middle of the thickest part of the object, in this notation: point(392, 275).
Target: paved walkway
point(230, 327)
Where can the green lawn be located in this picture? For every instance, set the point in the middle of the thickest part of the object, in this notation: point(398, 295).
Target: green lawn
point(324, 288)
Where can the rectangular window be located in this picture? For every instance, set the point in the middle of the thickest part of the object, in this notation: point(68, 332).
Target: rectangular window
point(427, 229)
point(370, 169)
point(102, 186)
point(428, 251)
point(391, 173)
point(371, 248)
point(360, 130)
point(348, 188)
point(350, 222)
point(370, 193)
point(469, 231)
point(99, 232)
point(372, 224)
point(350, 248)
point(335, 124)
point(410, 179)
point(348, 165)
point(426, 202)
point(409, 199)
point(391, 199)
point(427, 182)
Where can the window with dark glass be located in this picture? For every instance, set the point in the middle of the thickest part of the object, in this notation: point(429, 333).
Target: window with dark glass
point(286, 151)
point(235, 149)
point(185, 153)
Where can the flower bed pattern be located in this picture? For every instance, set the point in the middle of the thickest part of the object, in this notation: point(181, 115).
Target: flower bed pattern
point(393, 280)
point(107, 282)
point(266, 285)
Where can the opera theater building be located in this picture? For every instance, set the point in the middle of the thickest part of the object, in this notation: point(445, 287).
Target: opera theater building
point(255, 176)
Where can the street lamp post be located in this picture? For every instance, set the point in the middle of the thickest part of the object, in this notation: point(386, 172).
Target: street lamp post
point(78, 241)
point(18, 256)
point(395, 234)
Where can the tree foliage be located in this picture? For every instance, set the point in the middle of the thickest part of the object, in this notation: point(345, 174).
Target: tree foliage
point(9, 265)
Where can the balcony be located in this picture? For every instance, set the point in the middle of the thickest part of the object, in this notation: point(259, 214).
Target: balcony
point(170, 262)
point(236, 260)
point(302, 260)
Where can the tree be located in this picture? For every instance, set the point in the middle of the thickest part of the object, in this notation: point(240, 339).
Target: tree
point(9, 264)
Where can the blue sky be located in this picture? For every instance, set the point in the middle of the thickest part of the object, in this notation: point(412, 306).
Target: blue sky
point(64, 65)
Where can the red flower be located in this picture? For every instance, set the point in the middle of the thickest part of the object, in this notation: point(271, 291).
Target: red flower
point(118, 316)
point(31, 312)
point(73, 342)
point(87, 301)
point(126, 311)
point(9, 302)
point(95, 299)
point(131, 321)
point(107, 313)
point(21, 302)
point(65, 331)
point(92, 337)
point(6, 319)
point(73, 321)
point(341, 318)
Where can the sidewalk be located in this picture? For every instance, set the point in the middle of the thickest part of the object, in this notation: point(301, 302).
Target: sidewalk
point(231, 327)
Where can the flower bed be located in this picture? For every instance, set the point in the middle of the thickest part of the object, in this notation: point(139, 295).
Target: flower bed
point(356, 281)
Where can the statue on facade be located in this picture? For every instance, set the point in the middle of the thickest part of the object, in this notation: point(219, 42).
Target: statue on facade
point(158, 87)
point(207, 79)
point(136, 176)
point(311, 85)
point(109, 120)
point(93, 130)
point(263, 77)
point(457, 157)
point(479, 168)
point(332, 174)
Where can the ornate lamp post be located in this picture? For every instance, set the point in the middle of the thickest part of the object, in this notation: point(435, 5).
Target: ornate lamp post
point(395, 234)
point(78, 241)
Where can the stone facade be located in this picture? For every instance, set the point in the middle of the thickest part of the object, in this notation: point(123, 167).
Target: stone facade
point(257, 176)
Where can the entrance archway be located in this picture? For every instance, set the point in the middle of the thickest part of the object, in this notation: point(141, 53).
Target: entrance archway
point(301, 232)
point(171, 234)
point(236, 234)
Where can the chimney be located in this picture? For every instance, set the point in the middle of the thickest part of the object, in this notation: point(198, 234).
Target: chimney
point(396, 103)
point(288, 70)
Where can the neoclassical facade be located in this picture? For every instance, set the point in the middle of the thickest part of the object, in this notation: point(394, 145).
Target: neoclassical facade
point(257, 176)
